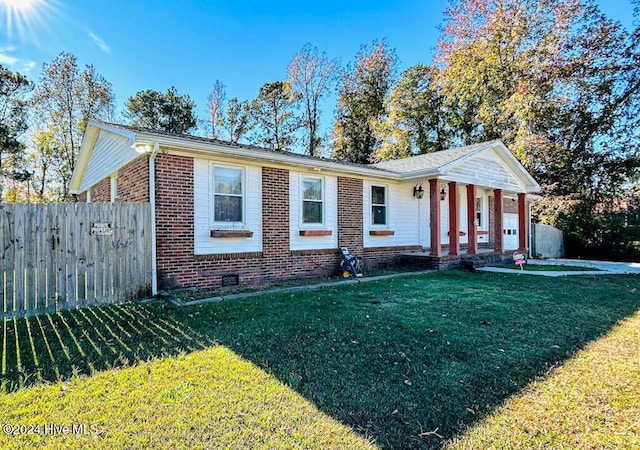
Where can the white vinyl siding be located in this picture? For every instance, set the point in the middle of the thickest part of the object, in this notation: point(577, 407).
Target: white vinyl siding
point(486, 169)
point(404, 216)
point(111, 153)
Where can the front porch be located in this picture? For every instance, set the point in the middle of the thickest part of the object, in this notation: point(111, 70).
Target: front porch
point(482, 257)
point(457, 203)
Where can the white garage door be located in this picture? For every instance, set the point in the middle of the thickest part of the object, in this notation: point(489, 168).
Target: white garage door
point(510, 231)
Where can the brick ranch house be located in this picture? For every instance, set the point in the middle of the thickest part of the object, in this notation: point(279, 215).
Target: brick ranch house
point(254, 216)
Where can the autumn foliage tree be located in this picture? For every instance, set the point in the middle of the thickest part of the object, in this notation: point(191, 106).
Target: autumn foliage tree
point(558, 82)
point(311, 77)
point(362, 91)
point(417, 120)
point(273, 116)
point(216, 100)
point(65, 99)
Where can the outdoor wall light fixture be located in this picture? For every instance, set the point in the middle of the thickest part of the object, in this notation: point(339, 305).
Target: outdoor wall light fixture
point(443, 194)
point(418, 192)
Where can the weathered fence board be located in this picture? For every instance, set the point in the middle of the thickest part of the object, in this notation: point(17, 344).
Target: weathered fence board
point(53, 258)
point(546, 241)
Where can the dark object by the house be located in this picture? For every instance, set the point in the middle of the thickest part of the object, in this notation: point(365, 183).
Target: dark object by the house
point(467, 266)
point(349, 264)
point(230, 280)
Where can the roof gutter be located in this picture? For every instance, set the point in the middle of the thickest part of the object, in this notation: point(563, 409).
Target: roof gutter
point(206, 149)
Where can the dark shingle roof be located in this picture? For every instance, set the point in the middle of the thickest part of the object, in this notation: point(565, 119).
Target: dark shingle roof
point(430, 161)
point(251, 148)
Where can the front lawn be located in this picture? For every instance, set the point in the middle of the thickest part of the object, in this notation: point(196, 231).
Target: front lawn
point(410, 362)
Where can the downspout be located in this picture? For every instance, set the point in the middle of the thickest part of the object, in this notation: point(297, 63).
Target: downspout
point(152, 200)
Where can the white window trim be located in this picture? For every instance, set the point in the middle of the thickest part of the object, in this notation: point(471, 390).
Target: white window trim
point(386, 206)
point(323, 200)
point(212, 215)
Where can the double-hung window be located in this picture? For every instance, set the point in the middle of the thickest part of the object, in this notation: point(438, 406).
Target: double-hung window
point(228, 189)
point(378, 205)
point(312, 201)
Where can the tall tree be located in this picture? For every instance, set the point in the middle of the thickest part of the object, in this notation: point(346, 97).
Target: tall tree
point(273, 114)
point(362, 92)
point(217, 99)
point(14, 88)
point(311, 77)
point(163, 112)
point(65, 100)
point(44, 162)
point(417, 119)
point(237, 121)
point(556, 80)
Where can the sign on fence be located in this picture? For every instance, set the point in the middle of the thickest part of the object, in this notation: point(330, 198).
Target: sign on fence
point(101, 229)
point(72, 255)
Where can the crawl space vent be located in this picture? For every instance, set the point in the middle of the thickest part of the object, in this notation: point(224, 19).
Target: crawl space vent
point(230, 280)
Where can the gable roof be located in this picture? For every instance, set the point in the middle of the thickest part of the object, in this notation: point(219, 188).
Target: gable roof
point(430, 161)
point(444, 163)
point(431, 165)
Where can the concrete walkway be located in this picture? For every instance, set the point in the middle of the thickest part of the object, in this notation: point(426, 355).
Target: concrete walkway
point(603, 267)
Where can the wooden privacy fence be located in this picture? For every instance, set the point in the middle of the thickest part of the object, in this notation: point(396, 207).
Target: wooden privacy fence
point(546, 241)
point(72, 255)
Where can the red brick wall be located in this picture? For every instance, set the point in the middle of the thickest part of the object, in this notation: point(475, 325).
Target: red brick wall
point(350, 226)
point(383, 257)
point(179, 267)
point(510, 205)
point(133, 181)
point(174, 220)
point(101, 192)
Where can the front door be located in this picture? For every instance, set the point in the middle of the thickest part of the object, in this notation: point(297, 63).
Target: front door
point(510, 231)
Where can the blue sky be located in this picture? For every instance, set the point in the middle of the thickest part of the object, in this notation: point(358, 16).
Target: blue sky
point(138, 45)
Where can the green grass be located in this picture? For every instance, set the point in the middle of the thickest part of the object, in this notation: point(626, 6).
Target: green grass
point(411, 362)
point(592, 401)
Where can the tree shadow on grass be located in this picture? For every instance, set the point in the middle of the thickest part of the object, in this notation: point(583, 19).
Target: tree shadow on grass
point(408, 362)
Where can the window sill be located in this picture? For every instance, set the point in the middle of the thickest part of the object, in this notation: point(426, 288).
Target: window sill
point(381, 233)
point(482, 233)
point(228, 234)
point(316, 233)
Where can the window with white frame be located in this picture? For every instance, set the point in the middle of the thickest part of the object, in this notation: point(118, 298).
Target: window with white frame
point(378, 205)
point(228, 194)
point(312, 200)
point(479, 211)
